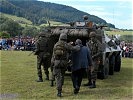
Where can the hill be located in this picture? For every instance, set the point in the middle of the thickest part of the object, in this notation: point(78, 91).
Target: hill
point(40, 11)
point(20, 20)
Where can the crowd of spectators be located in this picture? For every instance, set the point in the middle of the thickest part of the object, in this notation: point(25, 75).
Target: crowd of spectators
point(127, 49)
point(28, 44)
point(17, 43)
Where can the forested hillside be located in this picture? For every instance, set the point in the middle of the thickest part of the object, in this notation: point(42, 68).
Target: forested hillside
point(39, 12)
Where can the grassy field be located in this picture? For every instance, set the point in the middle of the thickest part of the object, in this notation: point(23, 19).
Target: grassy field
point(13, 17)
point(119, 32)
point(18, 75)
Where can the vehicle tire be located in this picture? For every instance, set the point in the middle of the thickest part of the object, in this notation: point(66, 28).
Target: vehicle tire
point(105, 70)
point(111, 65)
point(117, 63)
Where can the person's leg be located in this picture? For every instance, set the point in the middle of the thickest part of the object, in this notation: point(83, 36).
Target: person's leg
point(80, 77)
point(58, 78)
point(52, 76)
point(94, 75)
point(45, 67)
point(89, 78)
point(39, 72)
point(74, 79)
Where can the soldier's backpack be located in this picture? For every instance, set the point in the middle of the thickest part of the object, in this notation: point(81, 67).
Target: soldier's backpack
point(42, 44)
point(59, 49)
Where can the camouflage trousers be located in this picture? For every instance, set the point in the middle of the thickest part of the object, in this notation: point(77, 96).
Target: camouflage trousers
point(52, 77)
point(59, 77)
point(59, 73)
point(42, 62)
point(88, 74)
point(94, 70)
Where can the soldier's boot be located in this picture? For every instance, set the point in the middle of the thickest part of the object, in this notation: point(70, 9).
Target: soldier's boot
point(59, 93)
point(40, 79)
point(47, 77)
point(89, 83)
point(93, 85)
point(52, 83)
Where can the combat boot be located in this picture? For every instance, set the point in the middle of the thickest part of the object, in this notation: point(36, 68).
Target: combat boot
point(40, 79)
point(93, 85)
point(47, 77)
point(88, 84)
point(59, 93)
point(52, 83)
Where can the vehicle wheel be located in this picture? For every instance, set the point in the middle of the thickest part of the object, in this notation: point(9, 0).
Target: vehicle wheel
point(117, 63)
point(105, 70)
point(111, 65)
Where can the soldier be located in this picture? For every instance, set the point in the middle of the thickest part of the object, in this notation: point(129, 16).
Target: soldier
point(96, 50)
point(60, 60)
point(43, 56)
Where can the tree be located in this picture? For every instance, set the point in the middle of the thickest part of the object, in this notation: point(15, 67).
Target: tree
point(10, 26)
point(4, 34)
point(42, 21)
point(29, 31)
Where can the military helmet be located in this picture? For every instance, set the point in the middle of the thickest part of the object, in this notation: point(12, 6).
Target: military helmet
point(63, 36)
point(92, 34)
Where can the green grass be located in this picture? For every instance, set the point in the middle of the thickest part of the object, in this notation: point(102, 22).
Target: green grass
point(28, 22)
point(53, 23)
point(18, 75)
point(18, 19)
point(119, 32)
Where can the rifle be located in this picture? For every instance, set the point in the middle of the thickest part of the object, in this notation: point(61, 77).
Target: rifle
point(34, 48)
point(31, 53)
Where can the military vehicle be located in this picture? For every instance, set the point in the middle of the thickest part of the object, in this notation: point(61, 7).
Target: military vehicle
point(110, 59)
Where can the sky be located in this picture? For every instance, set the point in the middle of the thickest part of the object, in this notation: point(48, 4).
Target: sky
point(117, 12)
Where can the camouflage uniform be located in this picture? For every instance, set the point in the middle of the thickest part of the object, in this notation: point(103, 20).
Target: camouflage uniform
point(43, 57)
point(52, 77)
point(96, 50)
point(60, 64)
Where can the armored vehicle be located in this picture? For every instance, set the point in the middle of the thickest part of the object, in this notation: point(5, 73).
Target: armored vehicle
point(110, 59)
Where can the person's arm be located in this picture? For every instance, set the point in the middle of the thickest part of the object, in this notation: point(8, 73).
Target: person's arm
point(100, 50)
point(89, 60)
point(70, 47)
point(53, 57)
point(36, 49)
point(89, 57)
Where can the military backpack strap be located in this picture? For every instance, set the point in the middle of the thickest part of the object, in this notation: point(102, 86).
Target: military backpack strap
point(59, 50)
